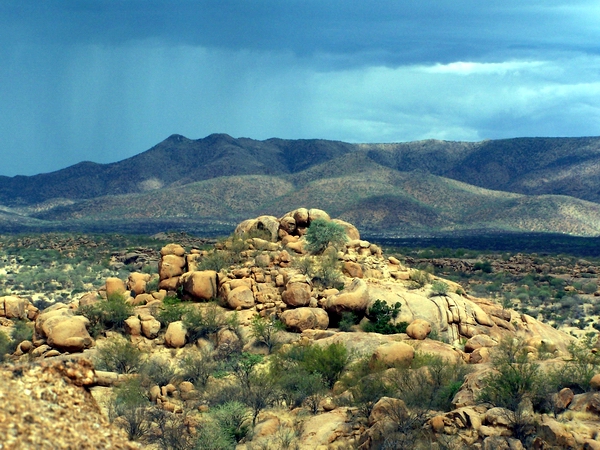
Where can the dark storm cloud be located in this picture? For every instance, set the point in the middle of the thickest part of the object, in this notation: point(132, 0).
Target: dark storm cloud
point(353, 32)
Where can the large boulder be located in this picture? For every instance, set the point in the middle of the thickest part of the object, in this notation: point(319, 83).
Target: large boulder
point(418, 329)
point(63, 330)
point(172, 249)
point(171, 266)
point(304, 318)
point(393, 354)
point(137, 282)
point(268, 225)
point(351, 230)
point(240, 297)
point(175, 335)
point(354, 298)
point(14, 307)
point(297, 292)
point(114, 287)
point(202, 285)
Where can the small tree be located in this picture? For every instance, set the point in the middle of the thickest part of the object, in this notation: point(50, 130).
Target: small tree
point(380, 317)
point(130, 404)
point(322, 233)
point(265, 330)
point(119, 355)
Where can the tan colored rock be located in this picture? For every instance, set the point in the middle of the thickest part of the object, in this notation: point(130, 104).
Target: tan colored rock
point(172, 249)
point(437, 424)
point(478, 341)
point(296, 247)
point(351, 230)
point(133, 326)
point(300, 217)
point(240, 298)
point(385, 408)
point(268, 224)
point(69, 334)
point(297, 293)
point(141, 299)
point(595, 382)
point(305, 318)
point(150, 327)
point(354, 298)
point(169, 284)
point(14, 307)
point(171, 266)
point(88, 299)
point(186, 386)
point(137, 282)
point(114, 287)
point(154, 393)
point(202, 285)
point(288, 224)
point(393, 354)
point(563, 399)
point(176, 334)
point(314, 214)
point(352, 269)
point(418, 329)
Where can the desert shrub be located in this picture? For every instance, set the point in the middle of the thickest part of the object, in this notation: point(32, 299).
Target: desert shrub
point(171, 310)
point(367, 391)
point(234, 419)
point(158, 371)
point(347, 320)
point(589, 288)
point(322, 233)
point(217, 260)
point(329, 361)
point(196, 367)
point(119, 355)
point(438, 287)
point(243, 367)
point(109, 314)
point(579, 368)
point(260, 393)
point(328, 273)
point(152, 285)
point(130, 405)
point(484, 266)
point(203, 322)
point(22, 331)
point(5, 346)
point(299, 386)
point(265, 330)
point(169, 431)
point(305, 265)
point(419, 278)
point(210, 436)
point(380, 317)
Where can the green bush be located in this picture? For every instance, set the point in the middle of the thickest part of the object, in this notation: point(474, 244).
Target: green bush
point(380, 317)
point(5, 346)
point(328, 273)
point(420, 278)
point(305, 265)
point(196, 367)
point(130, 404)
point(234, 419)
point(200, 323)
point(22, 331)
point(119, 355)
point(171, 310)
point(322, 233)
point(109, 314)
point(299, 386)
point(329, 361)
point(438, 287)
point(158, 371)
point(348, 320)
point(217, 260)
point(265, 330)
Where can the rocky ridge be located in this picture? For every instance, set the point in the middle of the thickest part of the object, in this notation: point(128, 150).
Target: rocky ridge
point(266, 281)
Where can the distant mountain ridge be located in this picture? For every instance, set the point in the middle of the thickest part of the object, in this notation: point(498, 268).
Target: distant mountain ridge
point(521, 184)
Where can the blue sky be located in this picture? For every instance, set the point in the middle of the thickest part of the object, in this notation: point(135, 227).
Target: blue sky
point(104, 80)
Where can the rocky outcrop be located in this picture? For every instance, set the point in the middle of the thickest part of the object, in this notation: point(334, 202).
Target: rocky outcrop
point(60, 328)
point(304, 318)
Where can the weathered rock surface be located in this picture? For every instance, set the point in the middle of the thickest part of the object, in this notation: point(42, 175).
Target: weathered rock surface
point(304, 318)
point(201, 285)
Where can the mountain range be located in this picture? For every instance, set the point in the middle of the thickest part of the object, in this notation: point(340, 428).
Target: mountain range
point(426, 187)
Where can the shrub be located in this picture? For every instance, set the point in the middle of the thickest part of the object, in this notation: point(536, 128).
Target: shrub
point(22, 331)
point(196, 367)
point(119, 355)
point(234, 419)
point(579, 369)
point(130, 404)
point(305, 265)
point(484, 266)
point(348, 320)
point(265, 330)
point(158, 371)
point(210, 436)
point(171, 310)
point(299, 386)
point(438, 288)
point(329, 362)
point(217, 260)
point(109, 314)
point(420, 278)
point(328, 273)
point(5, 346)
point(322, 233)
point(201, 323)
point(380, 317)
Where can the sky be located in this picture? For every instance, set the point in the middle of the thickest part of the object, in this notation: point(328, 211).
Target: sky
point(103, 80)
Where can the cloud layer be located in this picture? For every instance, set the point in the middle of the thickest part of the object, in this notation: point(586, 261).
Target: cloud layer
point(104, 80)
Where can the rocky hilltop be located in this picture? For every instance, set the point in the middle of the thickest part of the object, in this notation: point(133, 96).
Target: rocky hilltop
point(206, 350)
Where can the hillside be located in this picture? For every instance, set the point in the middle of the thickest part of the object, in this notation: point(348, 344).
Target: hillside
point(526, 184)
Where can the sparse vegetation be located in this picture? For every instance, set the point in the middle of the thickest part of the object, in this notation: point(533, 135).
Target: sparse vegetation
point(381, 316)
point(119, 355)
point(324, 233)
